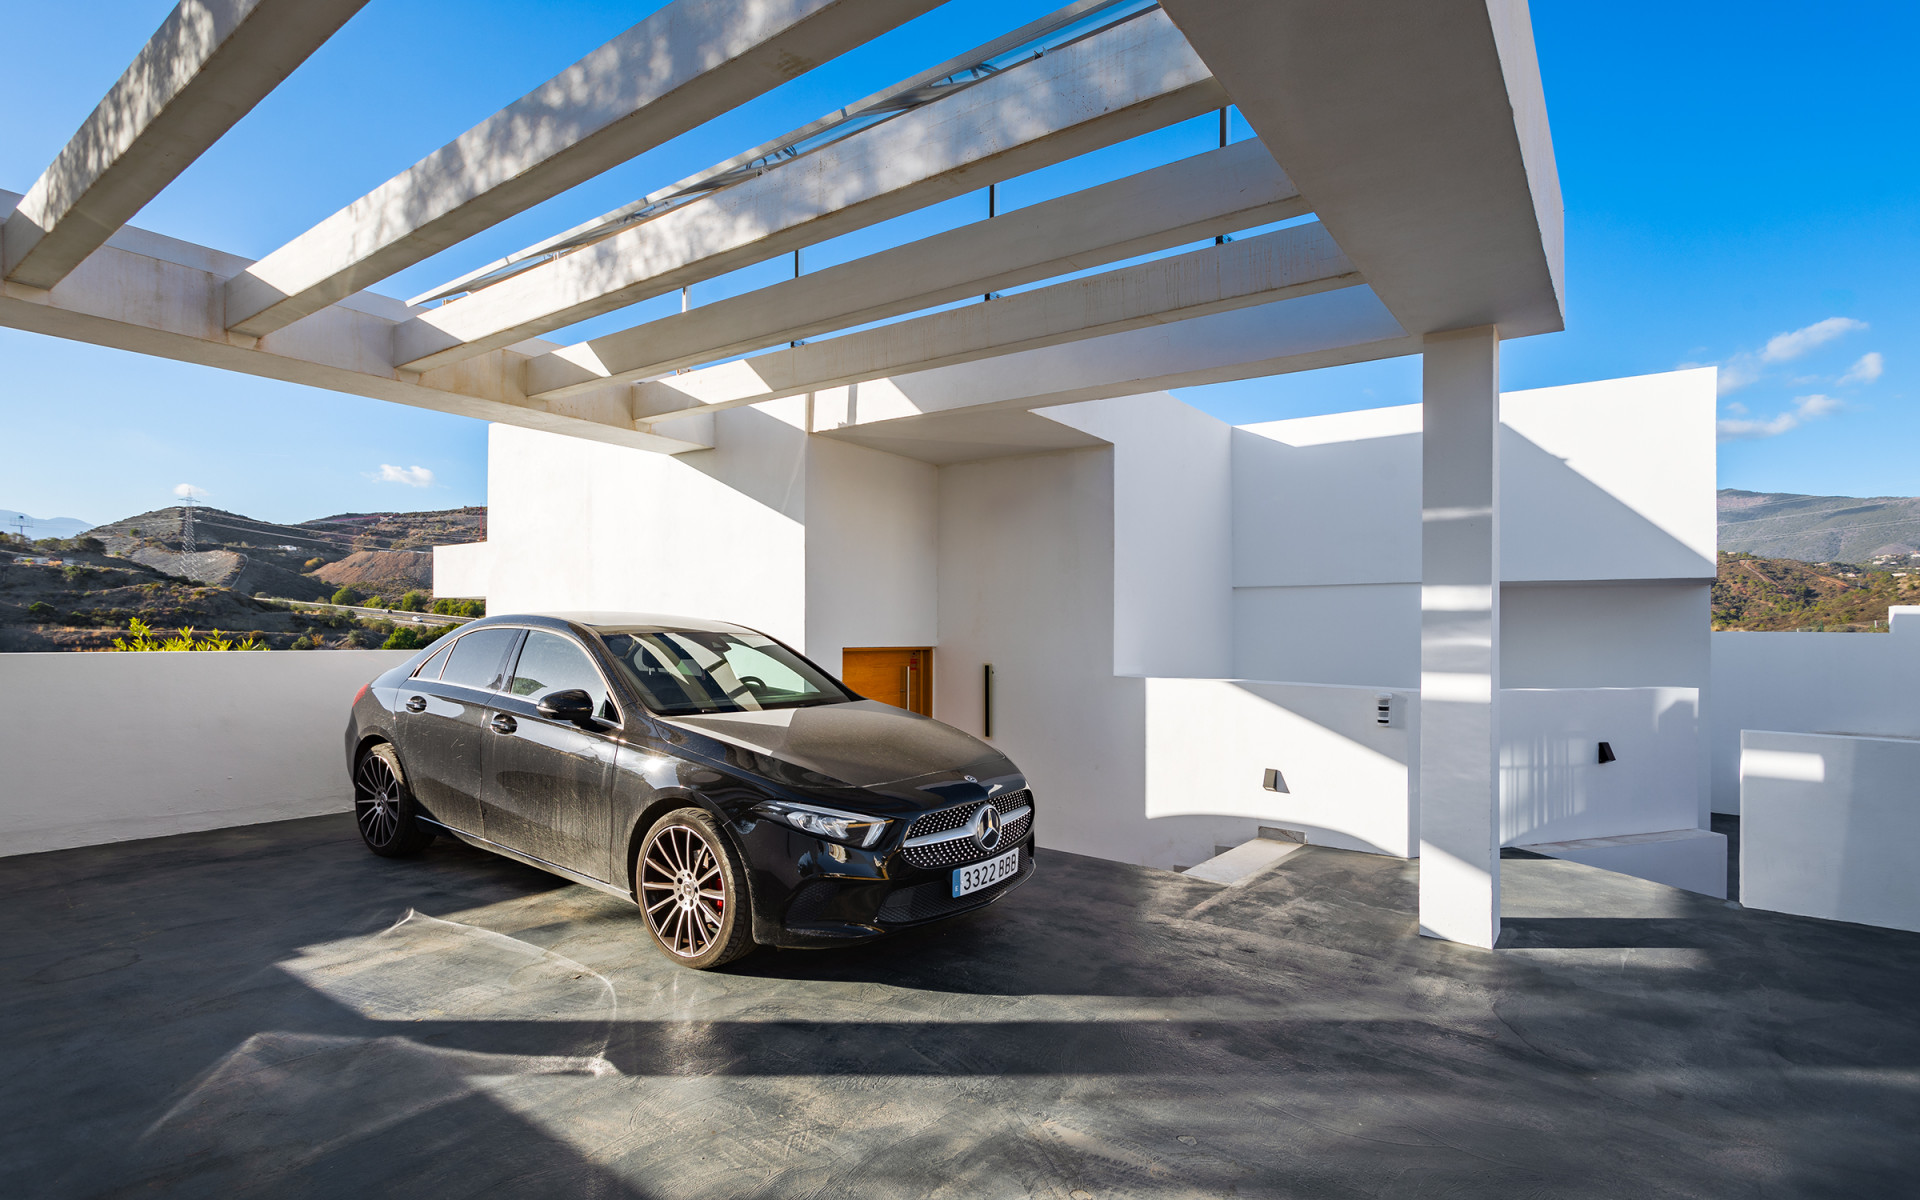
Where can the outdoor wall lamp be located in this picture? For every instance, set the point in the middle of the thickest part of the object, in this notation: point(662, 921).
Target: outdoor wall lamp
point(1606, 752)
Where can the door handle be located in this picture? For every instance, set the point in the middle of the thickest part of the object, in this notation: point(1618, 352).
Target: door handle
point(502, 723)
point(417, 704)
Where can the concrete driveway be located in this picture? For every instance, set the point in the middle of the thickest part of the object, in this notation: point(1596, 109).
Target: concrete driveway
point(273, 1011)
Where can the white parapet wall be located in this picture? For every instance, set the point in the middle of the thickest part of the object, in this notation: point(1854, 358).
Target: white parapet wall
point(464, 570)
point(110, 747)
point(1828, 824)
point(1811, 683)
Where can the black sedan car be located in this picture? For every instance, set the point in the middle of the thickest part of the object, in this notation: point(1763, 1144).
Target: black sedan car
point(732, 789)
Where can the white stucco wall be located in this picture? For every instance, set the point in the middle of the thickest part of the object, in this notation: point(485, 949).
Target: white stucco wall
point(465, 570)
point(872, 571)
point(1026, 583)
point(1606, 539)
point(719, 533)
point(1210, 743)
point(1553, 787)
point(1828, 826)
point(1172, 533)
point(111, 747)
point(1808, 683)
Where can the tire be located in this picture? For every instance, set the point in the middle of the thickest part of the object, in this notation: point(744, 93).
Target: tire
point(692, 889)
point(384, 807)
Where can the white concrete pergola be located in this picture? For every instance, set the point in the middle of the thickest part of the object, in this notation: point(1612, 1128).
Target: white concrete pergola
point(1413, 131)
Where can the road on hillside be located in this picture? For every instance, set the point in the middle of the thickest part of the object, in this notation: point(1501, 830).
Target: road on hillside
point(397, 616)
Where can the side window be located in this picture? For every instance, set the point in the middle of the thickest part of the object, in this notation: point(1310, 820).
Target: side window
point(551, 663)
point(478, 658)
point(430, 669)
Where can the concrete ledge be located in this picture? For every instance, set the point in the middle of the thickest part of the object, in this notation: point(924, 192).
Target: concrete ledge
point(1694, 859)
point(1243, 862)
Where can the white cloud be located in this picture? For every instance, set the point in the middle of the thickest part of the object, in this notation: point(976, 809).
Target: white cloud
point(1737, 408)
point(1866, 370)
point(1805, 408)
point(411, 476)
point(1737, 372)
point(186, 491)
point(1749, 367)
point(1782, 347)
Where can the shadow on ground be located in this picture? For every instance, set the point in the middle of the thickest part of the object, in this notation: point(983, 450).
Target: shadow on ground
point(272, 1011)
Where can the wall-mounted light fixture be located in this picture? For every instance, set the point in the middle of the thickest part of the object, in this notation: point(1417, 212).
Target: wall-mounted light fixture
point(1274, 781)
point(986, 701)
point(1606, 752)
point(1383, 708)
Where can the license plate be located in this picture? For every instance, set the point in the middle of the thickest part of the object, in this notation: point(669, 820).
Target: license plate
point(986, 874)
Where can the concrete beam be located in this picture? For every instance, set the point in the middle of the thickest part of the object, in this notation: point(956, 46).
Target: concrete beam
point(983, 409)
point(154, 295)
point(1289, 262)
point(685, 64)
point(1124, 81)
point(206, 67)
point(1418, 129)
point(1236, 187)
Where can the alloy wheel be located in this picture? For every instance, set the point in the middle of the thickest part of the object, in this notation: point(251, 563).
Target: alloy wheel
point(376, 801)
point(683, 890)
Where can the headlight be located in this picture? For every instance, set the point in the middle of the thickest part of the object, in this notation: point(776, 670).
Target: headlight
point(829, 823)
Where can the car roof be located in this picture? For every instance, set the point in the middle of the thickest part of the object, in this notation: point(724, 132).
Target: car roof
point(613, 620)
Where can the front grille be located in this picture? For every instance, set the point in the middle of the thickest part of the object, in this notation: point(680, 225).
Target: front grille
point(925, 901)
point(963, 850)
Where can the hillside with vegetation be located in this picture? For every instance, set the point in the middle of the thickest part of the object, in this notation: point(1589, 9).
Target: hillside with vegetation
point(1780, 595)
point(86, 592)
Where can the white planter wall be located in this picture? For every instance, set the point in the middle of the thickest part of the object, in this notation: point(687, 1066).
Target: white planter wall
point(1828, 826)
point(109, 747)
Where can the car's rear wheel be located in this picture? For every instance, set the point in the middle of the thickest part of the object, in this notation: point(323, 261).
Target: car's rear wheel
point(383, 805)
point(693, 891)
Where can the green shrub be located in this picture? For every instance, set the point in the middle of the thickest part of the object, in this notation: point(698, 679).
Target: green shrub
point(450, 607)
point(143, 640)
point(414, 601)
point(412, 637)
point(40, 610)
point(375, 602)
point(347, 595)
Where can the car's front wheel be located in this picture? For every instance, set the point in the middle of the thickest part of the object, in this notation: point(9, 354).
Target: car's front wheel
point(383, 805)
point(693, 890)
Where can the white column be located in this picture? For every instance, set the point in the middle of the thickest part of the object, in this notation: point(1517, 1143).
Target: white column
point(1459, 638)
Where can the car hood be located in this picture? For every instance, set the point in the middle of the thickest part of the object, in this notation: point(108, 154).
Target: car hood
point(863, 744)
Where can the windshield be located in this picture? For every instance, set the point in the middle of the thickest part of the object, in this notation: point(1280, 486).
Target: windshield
point(680, 671)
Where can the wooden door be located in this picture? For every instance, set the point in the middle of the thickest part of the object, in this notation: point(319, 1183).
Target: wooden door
point(898, 675)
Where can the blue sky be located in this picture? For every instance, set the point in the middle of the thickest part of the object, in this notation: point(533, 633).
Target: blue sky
point(1740, 184)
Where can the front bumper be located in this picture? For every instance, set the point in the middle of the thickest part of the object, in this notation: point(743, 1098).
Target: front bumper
point(867, 899)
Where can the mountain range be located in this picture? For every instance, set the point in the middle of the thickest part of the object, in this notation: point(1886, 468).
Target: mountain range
point(17, 522)
point(1817, 529)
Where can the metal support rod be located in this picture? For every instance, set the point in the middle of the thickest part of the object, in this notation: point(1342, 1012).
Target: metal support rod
point(992, 206)
point(796, 275)
point(986, 705)
point(1221, 240)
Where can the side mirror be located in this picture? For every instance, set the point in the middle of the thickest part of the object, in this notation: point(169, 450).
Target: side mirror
point(572, 705)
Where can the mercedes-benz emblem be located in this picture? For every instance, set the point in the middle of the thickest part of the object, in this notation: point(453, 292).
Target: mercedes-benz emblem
point(986, 827)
